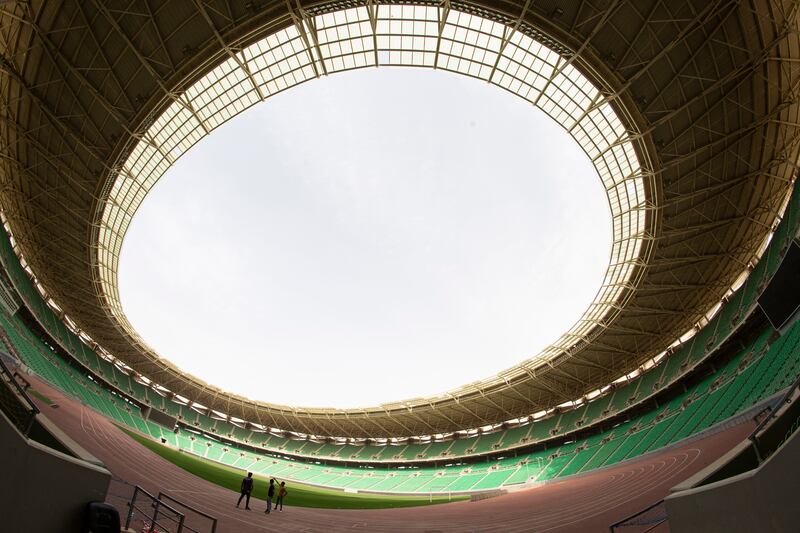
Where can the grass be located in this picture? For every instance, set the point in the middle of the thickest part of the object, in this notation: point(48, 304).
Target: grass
point(42, 397)
point(299, 495)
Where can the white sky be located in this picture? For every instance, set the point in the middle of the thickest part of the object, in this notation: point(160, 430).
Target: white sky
point(368, 237)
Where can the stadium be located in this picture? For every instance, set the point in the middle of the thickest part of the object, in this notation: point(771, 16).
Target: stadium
point(669, 405)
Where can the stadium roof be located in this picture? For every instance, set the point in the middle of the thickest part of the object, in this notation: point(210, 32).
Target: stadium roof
point(688, 110)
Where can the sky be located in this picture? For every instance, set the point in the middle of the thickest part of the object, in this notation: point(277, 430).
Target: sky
point(368, 237)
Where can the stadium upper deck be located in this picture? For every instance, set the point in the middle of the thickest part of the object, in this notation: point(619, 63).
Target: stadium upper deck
point(690, 107)
point(738, 329)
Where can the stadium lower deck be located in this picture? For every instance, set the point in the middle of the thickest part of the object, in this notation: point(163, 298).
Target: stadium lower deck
point(757, 371)
point(578, 503)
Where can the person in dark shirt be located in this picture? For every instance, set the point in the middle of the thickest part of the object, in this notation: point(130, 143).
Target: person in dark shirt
point(247, 489)
point(270, 494)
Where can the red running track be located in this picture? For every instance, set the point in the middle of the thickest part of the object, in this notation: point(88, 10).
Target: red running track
point(586, 503)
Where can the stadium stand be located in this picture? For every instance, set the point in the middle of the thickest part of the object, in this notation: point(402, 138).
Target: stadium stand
point(752, 375)
point(761, 368)
point(612, 404)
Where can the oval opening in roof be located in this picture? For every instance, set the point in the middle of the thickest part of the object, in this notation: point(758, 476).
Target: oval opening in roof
point(368, 237)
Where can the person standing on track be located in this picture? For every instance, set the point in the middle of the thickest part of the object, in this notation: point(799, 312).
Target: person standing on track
point(270, 494)
point(247, 489)
point(281, 493)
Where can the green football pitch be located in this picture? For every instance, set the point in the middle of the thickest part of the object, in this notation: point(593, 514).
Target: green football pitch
point(298, 494)
point(42, 397)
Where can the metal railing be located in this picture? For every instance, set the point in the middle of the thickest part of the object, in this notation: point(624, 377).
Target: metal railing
point(643, 521)
point(154, 516)
point(785, 399)
point(164, 496)
point(157, 514)
point(15, 402)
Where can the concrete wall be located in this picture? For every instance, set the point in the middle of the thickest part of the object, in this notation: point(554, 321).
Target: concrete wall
point(763, 500)
point(45, 490)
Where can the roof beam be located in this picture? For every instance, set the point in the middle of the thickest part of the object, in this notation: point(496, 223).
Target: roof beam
point(148, 67)
point(54, 52)
point(301, 19)
point(564, 63)
point(102, 53)
point(443, 11)
point(231, 54)
point(43, 106)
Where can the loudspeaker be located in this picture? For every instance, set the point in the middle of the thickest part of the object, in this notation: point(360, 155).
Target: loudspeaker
point(781, 299)
point(101, 518)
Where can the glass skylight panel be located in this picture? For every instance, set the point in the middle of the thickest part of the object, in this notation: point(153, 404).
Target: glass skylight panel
point(635, 191)
point(469, 45)
point(280, 61)
point(346, 39)
point(524, 57)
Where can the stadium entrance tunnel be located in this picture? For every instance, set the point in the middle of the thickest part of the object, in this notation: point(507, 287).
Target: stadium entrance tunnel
point(512, 56)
